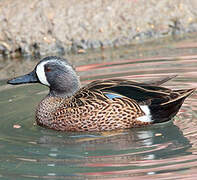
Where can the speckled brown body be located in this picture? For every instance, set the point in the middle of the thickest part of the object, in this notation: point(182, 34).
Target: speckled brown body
point(90, 109)
point(88, 113)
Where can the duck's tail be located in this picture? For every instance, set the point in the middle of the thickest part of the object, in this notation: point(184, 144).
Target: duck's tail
point(164, 111)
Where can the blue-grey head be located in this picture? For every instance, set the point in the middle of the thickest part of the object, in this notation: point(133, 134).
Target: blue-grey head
point(54, 72)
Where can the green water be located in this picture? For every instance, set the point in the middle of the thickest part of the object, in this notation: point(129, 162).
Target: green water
point(168, 150)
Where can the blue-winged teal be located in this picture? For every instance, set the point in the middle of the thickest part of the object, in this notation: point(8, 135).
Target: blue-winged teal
point(101, 105)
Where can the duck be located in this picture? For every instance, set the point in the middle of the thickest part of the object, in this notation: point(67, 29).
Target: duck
point(102, 105)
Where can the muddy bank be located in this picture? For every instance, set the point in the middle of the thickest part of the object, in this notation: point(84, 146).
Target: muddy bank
point(57, 27)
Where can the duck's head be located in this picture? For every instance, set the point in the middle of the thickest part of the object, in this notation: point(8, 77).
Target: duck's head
point(54, 72)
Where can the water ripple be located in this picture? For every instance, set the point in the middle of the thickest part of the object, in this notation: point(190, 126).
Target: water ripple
point(164, 151)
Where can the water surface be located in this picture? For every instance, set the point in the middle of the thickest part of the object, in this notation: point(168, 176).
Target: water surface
point(163, 151)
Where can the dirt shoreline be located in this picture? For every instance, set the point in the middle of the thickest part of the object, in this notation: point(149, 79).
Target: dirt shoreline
point(58, 27)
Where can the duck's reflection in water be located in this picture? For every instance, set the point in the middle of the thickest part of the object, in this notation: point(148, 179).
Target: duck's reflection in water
point(153, 142)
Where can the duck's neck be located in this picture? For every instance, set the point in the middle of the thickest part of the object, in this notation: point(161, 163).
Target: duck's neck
point(61, 94)
point(64, 91)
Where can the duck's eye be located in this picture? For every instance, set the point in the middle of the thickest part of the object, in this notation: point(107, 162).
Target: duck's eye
point(48, 69)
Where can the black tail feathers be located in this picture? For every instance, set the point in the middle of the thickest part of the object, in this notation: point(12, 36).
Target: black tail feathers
point(165, 111)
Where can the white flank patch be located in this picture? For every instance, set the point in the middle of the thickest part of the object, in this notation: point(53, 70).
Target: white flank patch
point(41, 73)
point(147, 116)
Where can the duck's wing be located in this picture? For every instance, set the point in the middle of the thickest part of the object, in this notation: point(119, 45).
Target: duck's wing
point(163, 103)
point(140, 92)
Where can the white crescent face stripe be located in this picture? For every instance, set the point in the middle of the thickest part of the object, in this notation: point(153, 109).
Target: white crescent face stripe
point(41, 73)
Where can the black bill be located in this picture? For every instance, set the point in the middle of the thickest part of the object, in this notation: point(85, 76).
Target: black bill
point(28, 78)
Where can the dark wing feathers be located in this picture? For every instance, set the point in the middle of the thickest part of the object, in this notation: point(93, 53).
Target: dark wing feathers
point(138, 91)
point(142, 93)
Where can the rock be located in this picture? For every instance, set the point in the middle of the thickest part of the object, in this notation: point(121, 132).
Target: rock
point(43, 27)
